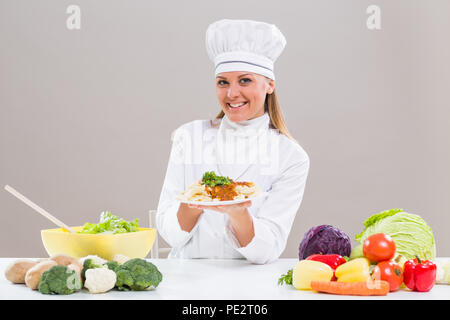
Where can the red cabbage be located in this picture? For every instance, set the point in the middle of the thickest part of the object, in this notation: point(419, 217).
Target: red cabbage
point(324, 239)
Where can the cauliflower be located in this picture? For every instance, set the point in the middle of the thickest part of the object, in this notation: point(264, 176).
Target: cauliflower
point(120, 258)
point(443, 272)
point(100, 280)
point(95, 259)
point(89, 264)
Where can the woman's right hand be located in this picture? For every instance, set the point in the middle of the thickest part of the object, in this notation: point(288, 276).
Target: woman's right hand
point(188, 216)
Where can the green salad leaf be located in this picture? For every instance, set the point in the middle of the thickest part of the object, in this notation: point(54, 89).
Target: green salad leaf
point(110, 223)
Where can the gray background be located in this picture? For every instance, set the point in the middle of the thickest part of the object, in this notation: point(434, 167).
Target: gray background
point(86, 115)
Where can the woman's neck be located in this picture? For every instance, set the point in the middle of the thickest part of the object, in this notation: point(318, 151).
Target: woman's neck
point(256, 121)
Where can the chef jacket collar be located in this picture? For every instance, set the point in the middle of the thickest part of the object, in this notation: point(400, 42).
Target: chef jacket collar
point(244, 128)
point(232, 161)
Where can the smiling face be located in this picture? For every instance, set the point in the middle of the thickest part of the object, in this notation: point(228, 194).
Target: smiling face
point(242, 94)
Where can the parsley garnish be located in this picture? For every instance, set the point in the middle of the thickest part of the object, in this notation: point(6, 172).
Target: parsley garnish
point(286, 278)
point(211, 179)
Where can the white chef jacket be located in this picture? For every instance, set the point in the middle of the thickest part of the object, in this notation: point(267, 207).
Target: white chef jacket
point(280, 171)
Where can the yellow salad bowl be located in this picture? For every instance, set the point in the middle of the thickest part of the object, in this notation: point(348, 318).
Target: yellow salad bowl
point(132, 244)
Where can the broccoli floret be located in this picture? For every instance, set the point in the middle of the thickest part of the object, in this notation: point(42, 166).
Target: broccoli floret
point(89, 264)
point(112, 265)
point(136, 275)
point(59, 280)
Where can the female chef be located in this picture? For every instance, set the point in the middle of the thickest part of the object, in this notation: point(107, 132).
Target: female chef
point(248, 141)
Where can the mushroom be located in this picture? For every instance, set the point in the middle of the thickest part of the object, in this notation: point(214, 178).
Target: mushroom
point(16, 270)
point(33, 275)
point(65, 260)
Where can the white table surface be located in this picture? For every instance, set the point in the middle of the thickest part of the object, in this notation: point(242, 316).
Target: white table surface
point(205, 279)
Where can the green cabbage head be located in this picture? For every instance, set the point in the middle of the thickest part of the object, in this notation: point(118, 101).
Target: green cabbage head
point(411, 234)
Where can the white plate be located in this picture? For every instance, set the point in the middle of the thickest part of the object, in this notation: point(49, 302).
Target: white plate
point(221, 203)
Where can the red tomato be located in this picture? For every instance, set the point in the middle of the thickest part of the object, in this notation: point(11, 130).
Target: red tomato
point(389, 271)
point(379, 247)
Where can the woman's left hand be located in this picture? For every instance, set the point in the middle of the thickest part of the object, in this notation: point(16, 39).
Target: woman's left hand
point(240, 219)
point(230, 209)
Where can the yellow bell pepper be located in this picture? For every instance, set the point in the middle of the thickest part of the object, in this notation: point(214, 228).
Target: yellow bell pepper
point(306, 271)
point(355, 270)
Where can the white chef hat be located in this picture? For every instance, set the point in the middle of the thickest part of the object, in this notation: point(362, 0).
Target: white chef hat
point(244, 45)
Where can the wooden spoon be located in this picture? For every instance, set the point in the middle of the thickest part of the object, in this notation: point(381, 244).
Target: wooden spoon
point(38, 209)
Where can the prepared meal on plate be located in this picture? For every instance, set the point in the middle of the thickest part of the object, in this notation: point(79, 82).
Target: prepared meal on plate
point(218, 188)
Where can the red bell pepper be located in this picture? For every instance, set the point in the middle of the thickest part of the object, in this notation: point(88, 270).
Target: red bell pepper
point(419, 275)
point(333, 260)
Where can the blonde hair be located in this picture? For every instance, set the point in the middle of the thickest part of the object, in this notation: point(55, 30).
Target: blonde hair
point(273, 108)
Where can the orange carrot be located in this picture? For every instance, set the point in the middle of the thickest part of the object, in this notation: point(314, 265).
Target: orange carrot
point(363, 288)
